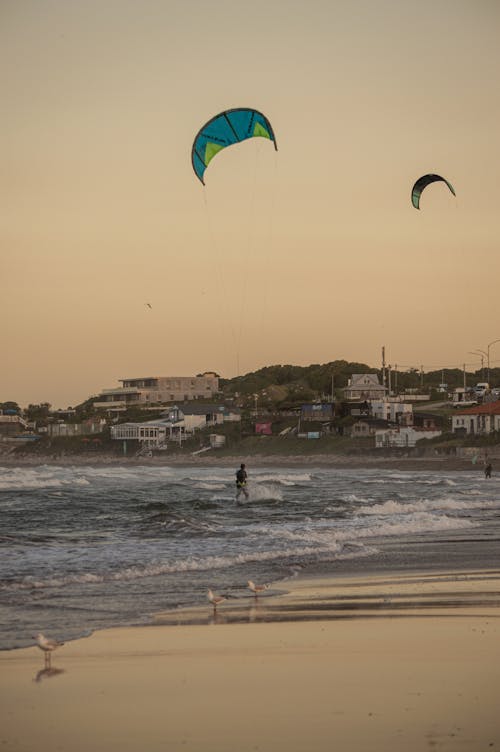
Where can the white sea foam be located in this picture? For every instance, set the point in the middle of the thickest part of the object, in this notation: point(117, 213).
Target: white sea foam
point(261, 492)
point(285, 479)
point(408, 480)
point(191, 564)
point(56, 476)
point(414, 523)
point(392, 507)
point(13, 480)
point(209, 478)
point(210, 486)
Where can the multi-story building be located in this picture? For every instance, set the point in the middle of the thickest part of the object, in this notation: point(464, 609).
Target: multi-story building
point(364, 386)
point(158, 390)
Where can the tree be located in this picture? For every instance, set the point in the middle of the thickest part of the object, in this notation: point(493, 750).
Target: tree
point(38, 412)
point(12, 407)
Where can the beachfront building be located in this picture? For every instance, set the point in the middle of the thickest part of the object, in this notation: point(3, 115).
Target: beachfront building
point(150, 433)
point(405, 436)
point(158, 390)
point(393, 411)
point(175, 423)
point(364, 386)
point(197, 416)
point(86, 428)
point(317, 411)
point(481, 419)
point(11, 425)
point(366, 427)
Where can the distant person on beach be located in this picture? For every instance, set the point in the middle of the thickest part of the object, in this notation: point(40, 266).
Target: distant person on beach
point(241, 482)
point(487, 470)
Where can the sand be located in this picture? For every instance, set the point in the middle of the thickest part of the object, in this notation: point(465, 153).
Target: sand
point(402, 662)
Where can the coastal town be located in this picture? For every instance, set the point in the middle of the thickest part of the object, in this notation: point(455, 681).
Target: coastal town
point(204, 413)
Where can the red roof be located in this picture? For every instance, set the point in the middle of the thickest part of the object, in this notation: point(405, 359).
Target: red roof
point(489, 408)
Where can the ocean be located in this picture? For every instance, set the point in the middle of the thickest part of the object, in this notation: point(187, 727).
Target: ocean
point(83, 548)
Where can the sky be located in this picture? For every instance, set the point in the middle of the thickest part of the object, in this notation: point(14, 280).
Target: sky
point(307, 254)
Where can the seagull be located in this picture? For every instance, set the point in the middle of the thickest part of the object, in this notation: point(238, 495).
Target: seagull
point(47, 645)
point(256, 589)
point(149, 305)
point(215, 600)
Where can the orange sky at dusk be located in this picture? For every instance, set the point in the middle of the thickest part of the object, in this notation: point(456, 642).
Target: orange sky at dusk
point(303, 255)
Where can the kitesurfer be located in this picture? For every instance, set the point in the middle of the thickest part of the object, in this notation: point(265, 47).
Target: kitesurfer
point(241, 482)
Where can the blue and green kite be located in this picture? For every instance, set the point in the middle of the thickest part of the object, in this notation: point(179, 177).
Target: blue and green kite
point(227, 128)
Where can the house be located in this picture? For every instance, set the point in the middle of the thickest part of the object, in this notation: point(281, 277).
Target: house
point(86, 428)
point(356, 409)
point(393, 411)
point(151, 433)
point(11, 425)
point(406, 436)
point(202, 415)
point(364, 386)
point(154, 390)
point(480, 419)
point(174, 424)
point(366, 427)
point(425, 420)
point(321, 411)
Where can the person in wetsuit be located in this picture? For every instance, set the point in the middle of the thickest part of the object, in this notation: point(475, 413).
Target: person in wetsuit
point(241, 482)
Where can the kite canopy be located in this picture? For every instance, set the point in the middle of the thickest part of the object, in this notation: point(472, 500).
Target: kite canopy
point(227, 128)
point(422, 183)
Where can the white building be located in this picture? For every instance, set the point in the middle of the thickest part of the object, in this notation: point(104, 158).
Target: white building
point(175, 423)
point(151, 433)
point(394, 412)
point(403, 437)
point(481, 419)
point(158, 390)
point(364, 386)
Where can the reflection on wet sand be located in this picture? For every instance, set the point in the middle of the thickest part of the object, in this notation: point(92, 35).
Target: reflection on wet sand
point(426, 595)
point(47, 673)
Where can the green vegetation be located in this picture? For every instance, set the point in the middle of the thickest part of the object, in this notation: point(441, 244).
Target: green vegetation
point(285, 386)
point(274, 393)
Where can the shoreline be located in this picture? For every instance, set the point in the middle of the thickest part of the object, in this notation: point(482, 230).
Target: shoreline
point(258, 460)
point(390, 662)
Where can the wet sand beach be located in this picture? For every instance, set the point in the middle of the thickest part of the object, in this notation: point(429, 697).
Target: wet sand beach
point(441, 463)
point(389, 662)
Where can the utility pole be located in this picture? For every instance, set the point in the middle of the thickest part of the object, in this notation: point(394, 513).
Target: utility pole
point(465, 381)
point(490, 344)
point(396, 378)
point(383, 366)
point(421, 377)
point(389, 377)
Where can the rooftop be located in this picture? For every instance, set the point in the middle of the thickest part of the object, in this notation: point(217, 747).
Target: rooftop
point(488, 408)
